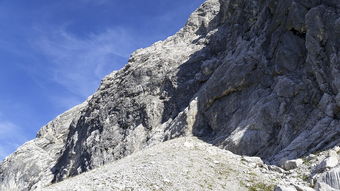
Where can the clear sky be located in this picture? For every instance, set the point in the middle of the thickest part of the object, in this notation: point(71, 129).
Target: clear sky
point(53, 53)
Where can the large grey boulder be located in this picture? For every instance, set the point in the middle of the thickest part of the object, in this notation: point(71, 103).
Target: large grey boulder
point(331, 178)
point(291, 164)
point(258, 78)
point(327, 163)
point(324, 187)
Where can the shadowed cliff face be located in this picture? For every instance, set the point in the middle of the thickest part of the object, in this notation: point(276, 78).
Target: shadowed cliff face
point(275, 92)
point(254, 77)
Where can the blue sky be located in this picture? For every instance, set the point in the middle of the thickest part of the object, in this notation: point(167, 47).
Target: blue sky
point(53, 54)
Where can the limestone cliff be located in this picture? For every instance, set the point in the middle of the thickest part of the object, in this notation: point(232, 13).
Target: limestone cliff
point(258, 78)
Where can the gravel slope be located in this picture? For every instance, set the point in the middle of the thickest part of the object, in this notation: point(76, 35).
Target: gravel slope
point(180, 164)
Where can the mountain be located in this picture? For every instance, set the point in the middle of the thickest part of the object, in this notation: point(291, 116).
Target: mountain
point(257, 78)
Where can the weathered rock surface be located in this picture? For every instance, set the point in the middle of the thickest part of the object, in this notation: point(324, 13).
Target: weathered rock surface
point(30, 166)
point(328, 163)
point(284, 188)
point(189, 163)
point(258, 78)
point(181, 164)
point(291, 164)
point(331, 178)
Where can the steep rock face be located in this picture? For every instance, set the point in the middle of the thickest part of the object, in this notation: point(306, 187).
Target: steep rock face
point(133, 108)
point(136, 106)
point(254, 77)
point(30, 166)
point(275, 92)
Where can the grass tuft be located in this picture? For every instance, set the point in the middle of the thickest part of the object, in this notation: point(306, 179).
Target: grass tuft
point(261, 187)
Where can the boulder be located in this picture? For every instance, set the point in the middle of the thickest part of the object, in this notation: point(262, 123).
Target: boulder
point(303, 188)
point(276, 169)
point(254, 160)
point(331, 178)
point(324, 187)
point(291, 164)
point(327, 163)
point(284, 188)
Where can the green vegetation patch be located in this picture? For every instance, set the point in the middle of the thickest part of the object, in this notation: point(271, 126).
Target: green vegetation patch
point(261, 187)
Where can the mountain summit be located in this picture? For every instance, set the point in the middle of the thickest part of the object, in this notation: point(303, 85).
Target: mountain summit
point(258, 78)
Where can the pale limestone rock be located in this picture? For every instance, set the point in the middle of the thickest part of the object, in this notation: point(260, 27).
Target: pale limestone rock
point(303, 188)
point(258, 78)
point(333, 152)
point(284, 188)
point(328, 163)
point(331, 178)
point(320, 186)
point(253, 160)
point(174, 167)
point(30, 166)
point(276, 169)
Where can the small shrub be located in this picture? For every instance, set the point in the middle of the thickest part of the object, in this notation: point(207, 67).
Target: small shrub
point(261, 187)
point(305, 178)
point(306, 161)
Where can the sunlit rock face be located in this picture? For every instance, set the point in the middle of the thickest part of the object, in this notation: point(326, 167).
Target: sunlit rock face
point(258, 78)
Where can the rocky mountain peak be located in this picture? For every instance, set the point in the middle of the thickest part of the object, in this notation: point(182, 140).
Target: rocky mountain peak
point(257, 78)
